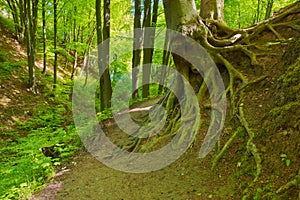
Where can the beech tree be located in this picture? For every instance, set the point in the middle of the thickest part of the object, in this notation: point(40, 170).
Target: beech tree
point(31, 19)
point(44, 36)
point(55, 2)
point(137, 44)
point(209, 29)
point(103, 33)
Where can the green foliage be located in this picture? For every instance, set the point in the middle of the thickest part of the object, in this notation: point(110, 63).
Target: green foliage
point(23, 166)
point(117, 69)
point(104, 114)
point(64, 53)
point(7, 23)
point(285, 159)
point(9, 67)
point(121, 16)
point(241, 13)
point(2, 57)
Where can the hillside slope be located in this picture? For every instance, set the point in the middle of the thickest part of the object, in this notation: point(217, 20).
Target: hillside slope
point(29, 122)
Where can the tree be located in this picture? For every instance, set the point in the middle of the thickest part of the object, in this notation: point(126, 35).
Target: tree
point(31, 19)
point(137, 44)
point(13, 5)
point(223, 44)
point(269, 9)
point(55, 43)
point(147, 51)
point(212, 10)
point(44, 36)
point(103, 53)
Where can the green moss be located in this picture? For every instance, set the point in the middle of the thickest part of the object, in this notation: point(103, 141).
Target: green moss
point(285, 116)
point(291, 77)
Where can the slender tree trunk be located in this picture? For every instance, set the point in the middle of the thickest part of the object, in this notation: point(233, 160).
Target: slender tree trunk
point(165, 62)
point(137, 45)
point(55, 44)
point(103, 53)
point(269, 9)
point(258, 11)
point(44, 37)
point(147, 51)
point(22, 19)
point(28, 41)
point(31, 17)
point(15, 13)
point(75, 39)
point(99, 31)
point(105, 81)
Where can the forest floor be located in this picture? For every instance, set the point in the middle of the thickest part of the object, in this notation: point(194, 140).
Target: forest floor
point(187, 178)
point(272, 110)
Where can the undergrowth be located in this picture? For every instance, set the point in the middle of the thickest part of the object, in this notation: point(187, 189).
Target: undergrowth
point(24, 167)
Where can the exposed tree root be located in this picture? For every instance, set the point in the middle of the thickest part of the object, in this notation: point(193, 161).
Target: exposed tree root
point(234, 75)
point(275, 32)
point(293, 183)
point(251, 147)
point(225, 147)
point(242, 40)
point(234, 135)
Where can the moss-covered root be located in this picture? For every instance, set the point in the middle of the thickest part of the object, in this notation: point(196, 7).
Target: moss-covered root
point(225, 147)
point(293, 183)
point(251, 147)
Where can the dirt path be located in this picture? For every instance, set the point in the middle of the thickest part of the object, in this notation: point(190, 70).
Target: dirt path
point(188, 178)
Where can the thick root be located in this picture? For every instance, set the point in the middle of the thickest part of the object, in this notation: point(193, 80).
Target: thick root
point(293, 183)
point(225, 147)
point(251, 147)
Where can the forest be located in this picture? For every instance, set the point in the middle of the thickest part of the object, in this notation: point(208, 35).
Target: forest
point(150, 99)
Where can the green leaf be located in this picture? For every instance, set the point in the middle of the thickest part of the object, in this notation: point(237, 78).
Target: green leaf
point(283, 155)
point(288, 163)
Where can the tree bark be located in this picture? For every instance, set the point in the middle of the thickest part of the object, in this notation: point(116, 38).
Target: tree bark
point(31, 17)
point(269, 9)
point(137, 45)
point(44, 37)
point(165, 62)
point(13, 5)
point(105, 82)
point(212, 10)
point(55, 44)
point(147, 51)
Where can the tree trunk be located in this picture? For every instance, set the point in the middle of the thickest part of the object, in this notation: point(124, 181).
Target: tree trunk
point(137, 45)
point(44, 37)
point(235, 54)
point(165, 63)
point(269, 9)
point(15, 13)
point(75, 40)
point(103, 53)
point(55, 43)
point(31, 17)
point(147, 51)
point(22, 19)
point(212, 10)
point(258, 11)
